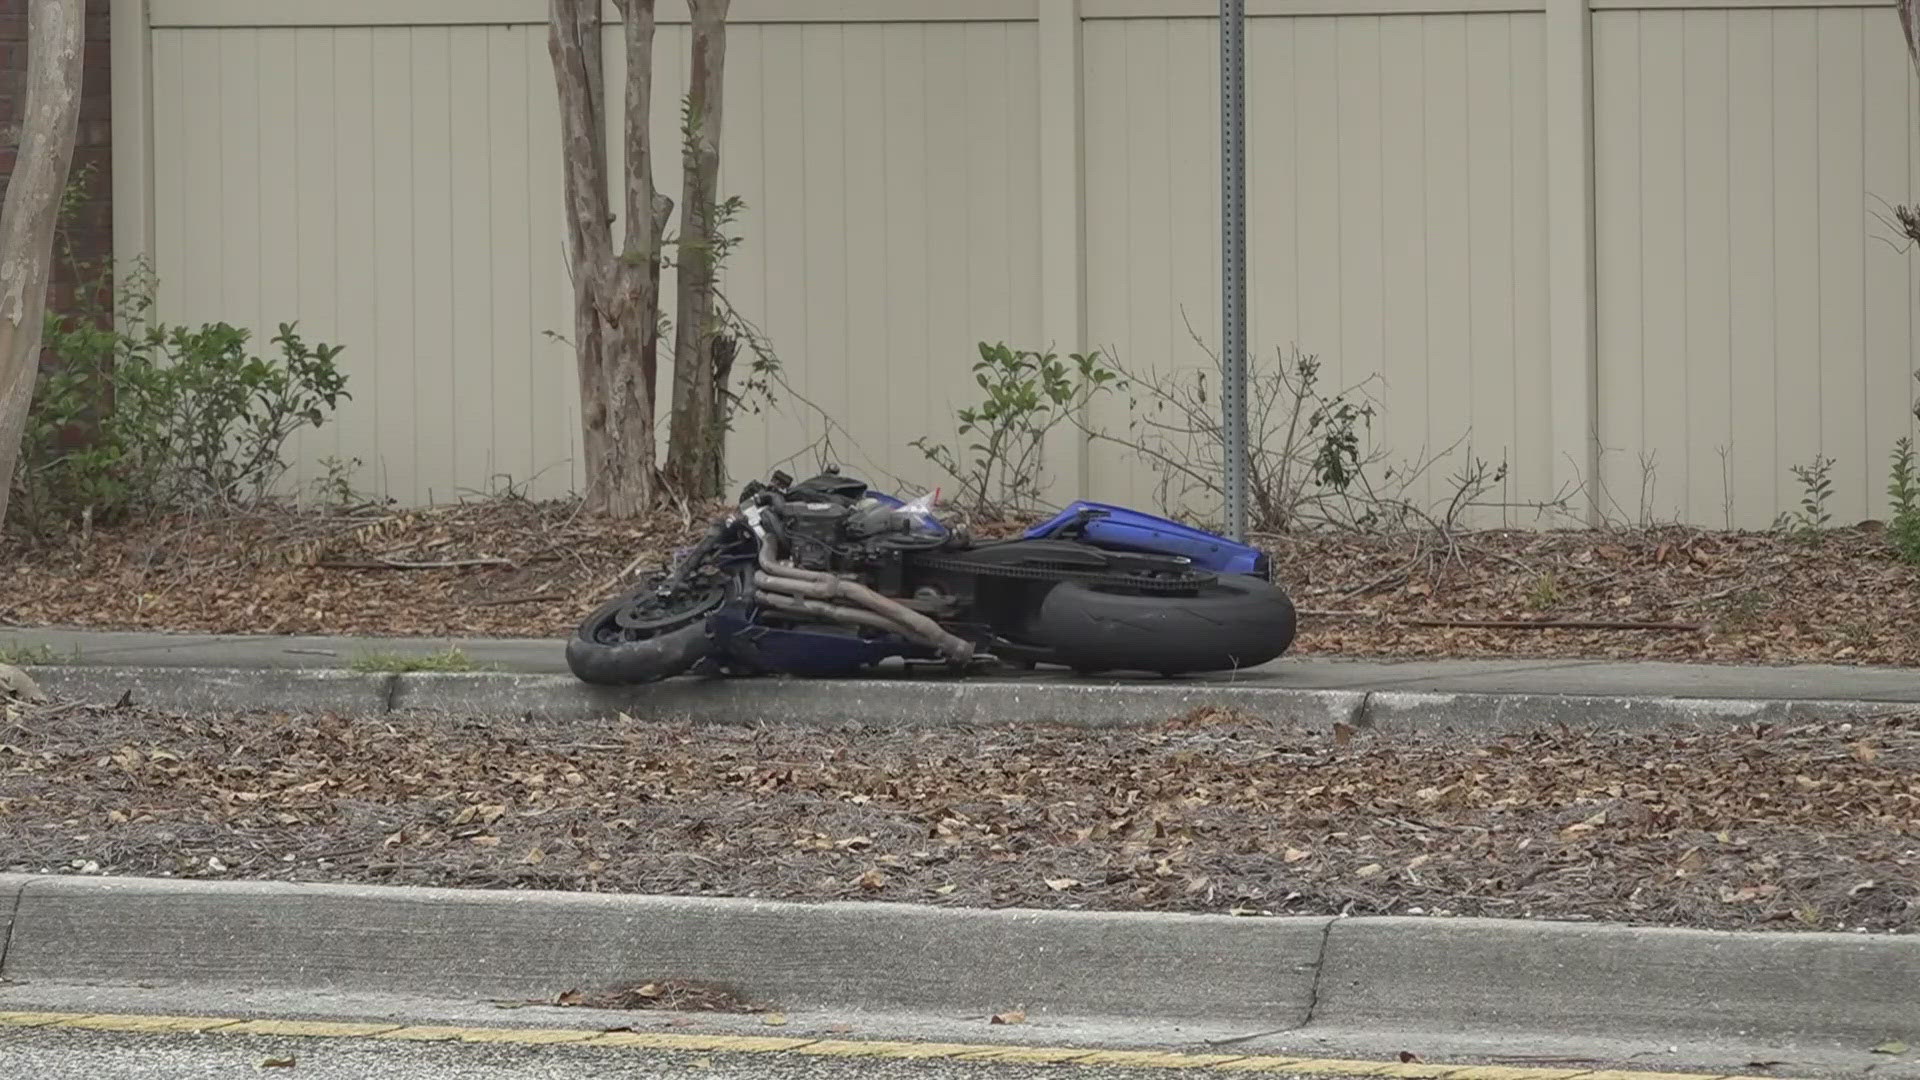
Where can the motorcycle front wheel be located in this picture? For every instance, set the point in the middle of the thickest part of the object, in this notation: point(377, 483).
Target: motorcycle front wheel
point(642, 637)
point(1230, 623)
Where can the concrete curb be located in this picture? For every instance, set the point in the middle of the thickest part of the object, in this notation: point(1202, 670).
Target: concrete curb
point(223, 689)
point(1597, 978)
point(523, 944)
point(897, 702)
point(1482, 975)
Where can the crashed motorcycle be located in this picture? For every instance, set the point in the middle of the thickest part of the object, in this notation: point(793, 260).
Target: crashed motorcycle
point(830, 577)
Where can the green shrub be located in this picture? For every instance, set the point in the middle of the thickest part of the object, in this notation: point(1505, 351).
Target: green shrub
point(137, 416)
point(1903, 529)
point(1027, 395)
point(1812, 519)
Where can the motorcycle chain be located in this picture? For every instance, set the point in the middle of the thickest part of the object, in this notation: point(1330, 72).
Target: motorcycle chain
point(1187, 581)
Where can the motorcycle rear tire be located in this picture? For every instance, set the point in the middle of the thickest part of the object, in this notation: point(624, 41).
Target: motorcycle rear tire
point(671, 652)
point(1232, 623)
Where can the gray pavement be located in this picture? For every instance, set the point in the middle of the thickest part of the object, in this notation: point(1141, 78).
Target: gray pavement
point(85, 1055)
point(1588, 678)
point(82, 1055)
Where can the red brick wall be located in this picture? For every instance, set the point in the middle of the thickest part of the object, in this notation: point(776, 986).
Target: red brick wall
point(92, 232)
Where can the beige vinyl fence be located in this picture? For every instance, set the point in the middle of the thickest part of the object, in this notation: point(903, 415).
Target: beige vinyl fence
point(1660, 286)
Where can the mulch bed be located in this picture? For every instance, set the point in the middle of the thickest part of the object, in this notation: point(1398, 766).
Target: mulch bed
point(1694, 595)
point(508, 567)
point(1756, 827)
point(512, 567)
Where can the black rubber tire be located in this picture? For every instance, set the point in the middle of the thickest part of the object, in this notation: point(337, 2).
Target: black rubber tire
point(1236, 622)
point(672, 652)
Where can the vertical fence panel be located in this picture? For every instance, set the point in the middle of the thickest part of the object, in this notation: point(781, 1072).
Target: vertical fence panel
point(743, 175)
point(1449, 268)
point(908, 296)
point(1545, 463)
point(1404, 317)
point(1889, 354)
point(310, 244)
point(1796, 253)
point(347, 150)
point(554, 408)
point(278, 237)
point(1490, 306)
point(1617, 246)
point(1361, 204)
point(437, 436)
point(509, 235)
point(1707, 356)
point(1843, 224)
point(1274, 267)
point(1752, 316)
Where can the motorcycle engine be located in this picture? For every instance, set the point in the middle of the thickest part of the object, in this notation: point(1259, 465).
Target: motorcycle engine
point(815, 531)
point(831, 523)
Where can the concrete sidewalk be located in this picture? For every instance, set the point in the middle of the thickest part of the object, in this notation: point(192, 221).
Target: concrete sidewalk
point(536, 656)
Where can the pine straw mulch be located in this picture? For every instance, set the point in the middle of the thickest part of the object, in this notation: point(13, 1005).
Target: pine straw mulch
point(1813, 825)
point(513, 567)
point(1669, 594)
point(495, 567)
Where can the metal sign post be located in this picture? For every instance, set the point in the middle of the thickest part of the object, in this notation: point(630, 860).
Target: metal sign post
point(1233, 260)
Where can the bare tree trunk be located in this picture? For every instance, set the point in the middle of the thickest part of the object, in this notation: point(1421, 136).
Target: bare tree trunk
point(638, 275)
point(724, 350)
point(650, 356)
point(696, 463)
point(573, 44)
point(55, 32)
point(616, 299)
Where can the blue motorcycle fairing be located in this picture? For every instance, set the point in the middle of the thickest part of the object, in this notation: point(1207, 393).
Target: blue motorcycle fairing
point(1106, 525)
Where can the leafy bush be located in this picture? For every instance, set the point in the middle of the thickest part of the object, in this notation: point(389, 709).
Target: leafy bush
point(1816, 490)
point(136, 416)
point(1903, 487)
point(1903, 530)
point(1028, 394)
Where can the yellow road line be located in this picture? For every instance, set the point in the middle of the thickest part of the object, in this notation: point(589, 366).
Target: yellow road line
point(527, 1036)
point(38, 1019)
point(154, 1024)
point(134, 1023)
point(877, 1048)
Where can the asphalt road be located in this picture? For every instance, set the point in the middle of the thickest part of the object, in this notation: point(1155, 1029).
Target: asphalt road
point(89, 1055)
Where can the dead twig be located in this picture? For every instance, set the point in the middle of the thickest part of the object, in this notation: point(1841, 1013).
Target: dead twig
point(534, 598)
point(398, 564)
point(1388, 580)
point(620, 578)
point(1554, 624)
